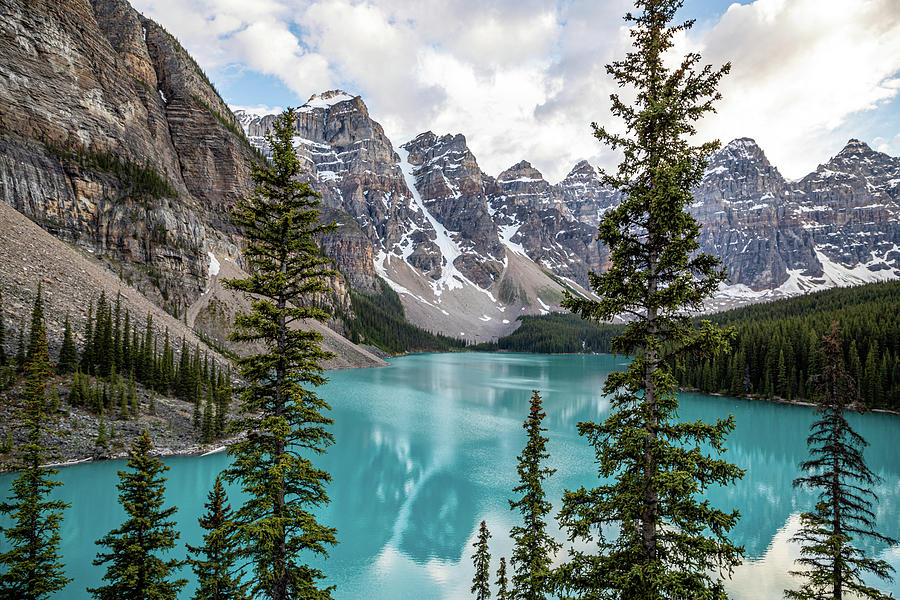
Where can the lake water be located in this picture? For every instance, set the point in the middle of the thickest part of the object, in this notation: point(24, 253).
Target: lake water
point(426, 448)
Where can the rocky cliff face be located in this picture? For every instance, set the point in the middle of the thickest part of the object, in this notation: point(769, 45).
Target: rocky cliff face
point(837, 226)
point(111, 138)
point(746, 222)
point(850, 207)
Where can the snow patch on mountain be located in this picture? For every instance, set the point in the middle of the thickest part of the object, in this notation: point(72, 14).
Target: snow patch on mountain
point(325, 100)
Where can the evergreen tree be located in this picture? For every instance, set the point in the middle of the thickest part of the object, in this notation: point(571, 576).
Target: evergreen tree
point(534, 548)
point(102, 438)
point(87, 351)
point(280, 414)
point(216, 562)
point(207, 431)
point(833, 564)
point(127, 368)
point(68, 354)
point(31, 567)
point(134, 571)
point(3, 357)
point(196, 417)
point(117, 336)
point(481, 585)
point(502, 591)
point(670, 543)
point(184, 376)
point(37, 323)
point(148, 346)
point(223, 401)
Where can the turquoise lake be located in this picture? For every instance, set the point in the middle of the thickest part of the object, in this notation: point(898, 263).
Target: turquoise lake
point(426, 448)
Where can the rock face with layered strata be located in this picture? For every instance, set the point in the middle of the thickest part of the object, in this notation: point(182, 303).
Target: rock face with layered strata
point(83, 82)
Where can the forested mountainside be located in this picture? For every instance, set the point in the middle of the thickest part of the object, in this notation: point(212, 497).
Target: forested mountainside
point(776, 346)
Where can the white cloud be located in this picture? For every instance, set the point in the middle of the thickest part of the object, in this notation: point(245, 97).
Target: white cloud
point(800, 70)
point(525, 78)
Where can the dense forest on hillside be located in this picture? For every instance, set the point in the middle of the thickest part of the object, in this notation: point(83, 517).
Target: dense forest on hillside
point(379, 320)
point(116, 355)
point(776, 347)
point(555, 333)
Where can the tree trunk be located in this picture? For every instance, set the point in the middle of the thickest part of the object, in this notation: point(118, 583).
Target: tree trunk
point(836, 574)
point(279, 586)
point(650, 513)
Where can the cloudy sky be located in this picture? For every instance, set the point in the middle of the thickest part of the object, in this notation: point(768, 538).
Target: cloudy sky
point(523, 79)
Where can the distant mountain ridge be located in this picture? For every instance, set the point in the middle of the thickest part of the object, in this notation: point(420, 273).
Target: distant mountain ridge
point(836, 226)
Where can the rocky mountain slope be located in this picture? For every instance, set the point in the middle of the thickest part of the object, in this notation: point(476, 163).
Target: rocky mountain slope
point(465, 254)
point(453, 226)
point(113, 139)
point(837, 226)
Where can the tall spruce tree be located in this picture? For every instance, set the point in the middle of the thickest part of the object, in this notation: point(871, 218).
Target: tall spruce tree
point(87, 349)
point(481, 559)
point(216, 562)
point(68, 354)
point(281, 415)
point(30, 562)
point(533, 548)
point(134, 569)
point(37, 323)
point(3, 357)
point(833, 566)
point(667, 542)
point(503, 592)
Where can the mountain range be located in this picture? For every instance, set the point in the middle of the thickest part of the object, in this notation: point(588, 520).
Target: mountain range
point(113, 139)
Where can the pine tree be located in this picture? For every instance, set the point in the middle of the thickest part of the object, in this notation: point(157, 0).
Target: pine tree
point(223, 401)
point(87, 350)
point(184, 376)
point(481, 585)
point(670, 542)
point(3, 357)
point(833, 564)
point(534, 548)
point(207, 432)
point(31, 567)
point(134, 571)
point(102, 438)
point(280, 414)
point(117, 336)
point(37, 323)
point(197, 417)
point(68, 354)
point(216, 562)
point(502, 592)
point(127, 367)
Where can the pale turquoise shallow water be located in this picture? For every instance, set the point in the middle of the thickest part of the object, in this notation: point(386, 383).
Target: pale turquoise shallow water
point(426, 449)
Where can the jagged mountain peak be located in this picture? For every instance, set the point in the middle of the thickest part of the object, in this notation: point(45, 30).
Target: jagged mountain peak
point(858, 159)
point(328, 99)
point(521, 171)
point(582, 169)
point(744, 150)
point(429, 139)
point(855, 147)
